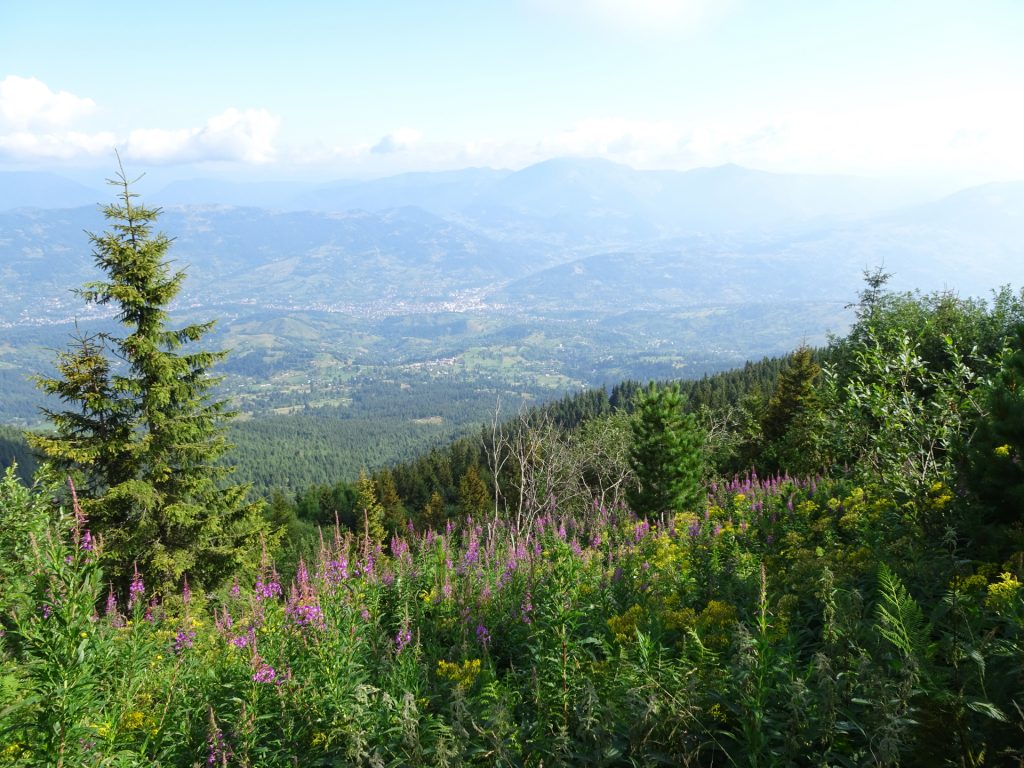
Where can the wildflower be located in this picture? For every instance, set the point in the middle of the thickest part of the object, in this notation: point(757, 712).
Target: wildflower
point(1003, 593)
point(270, 588)
point(235, 589)
point(219, 753)
point(483, 636)
point(136, 589)
point(184, 640)
point(264, 672)
point(186, 593)
point(47, 610)
point(111, 609)
point(402, 639)
point(642, 529)
point(1002, 450)
point(87, 544)
point(336, 571)
point(527, 608)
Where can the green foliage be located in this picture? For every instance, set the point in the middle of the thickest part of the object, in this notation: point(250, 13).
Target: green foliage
point(25, 516)
point(142, 433)
point(996, 458)
point(902, 418)
point(665, 455)
point(15, 452)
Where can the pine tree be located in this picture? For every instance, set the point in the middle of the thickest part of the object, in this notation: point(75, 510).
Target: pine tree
point(434, 512)
point(370, 511)
point(395, 515)
point(996, 455)
point(789, 423)
point(474, 496)
point(666, 453)
point(142, 432)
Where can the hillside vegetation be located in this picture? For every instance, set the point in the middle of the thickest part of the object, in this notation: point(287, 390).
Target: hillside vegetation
point(828, 573)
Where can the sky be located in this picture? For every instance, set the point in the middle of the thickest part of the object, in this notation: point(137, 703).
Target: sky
point(930, 89)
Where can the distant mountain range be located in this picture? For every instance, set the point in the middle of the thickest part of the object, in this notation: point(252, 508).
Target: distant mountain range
point(563, 233)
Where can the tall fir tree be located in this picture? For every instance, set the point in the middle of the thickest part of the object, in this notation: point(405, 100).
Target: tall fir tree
point(666, 454)
point(790, 423)
point(475, 498)
point(142, 431)
point(370, 511)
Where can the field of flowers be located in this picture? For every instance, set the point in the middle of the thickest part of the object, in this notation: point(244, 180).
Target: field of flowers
point(765, 630)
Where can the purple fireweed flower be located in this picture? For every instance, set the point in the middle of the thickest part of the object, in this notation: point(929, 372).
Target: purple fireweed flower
point(561, 531)
point(402, 639)
point(336, 571)
point(302, 575)
point(186, 593)
point(306, 614)
point(236, 590)
point(223, 620)
point(264, 672)
point(472, 552)
point(184, 640)
point(717, 530)
point(365, 614)
point(446, 589)
point(526, 609)
point(111, 611)
point(398, 547)
point(265, 590)
point(576, 548)
point(218, 751)
point(743, 526)
point(595, 541)
point(47, 610)
point(449, 526)
point(483, 636)
point(617, 574)
point(642, 529)
point(136, 589)
point(243, 641)
point(87, 544)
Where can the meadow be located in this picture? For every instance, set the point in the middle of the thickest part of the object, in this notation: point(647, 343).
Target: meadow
point(793, 621)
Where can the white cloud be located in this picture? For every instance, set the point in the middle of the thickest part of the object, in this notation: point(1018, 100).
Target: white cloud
point(397, 141)
point(233, 135)
point(22, 145)
point(26, 102)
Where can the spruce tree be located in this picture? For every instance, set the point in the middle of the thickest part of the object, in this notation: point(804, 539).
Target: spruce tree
point(142, 431)
point(995, 468)
point(666, 454)
point(475, 498)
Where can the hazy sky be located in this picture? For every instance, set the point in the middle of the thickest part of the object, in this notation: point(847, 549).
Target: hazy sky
point(342, 89)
